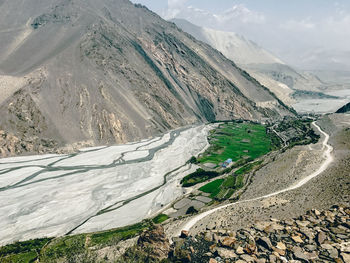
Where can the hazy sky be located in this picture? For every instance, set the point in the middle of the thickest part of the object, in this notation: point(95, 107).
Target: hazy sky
point(305, 33)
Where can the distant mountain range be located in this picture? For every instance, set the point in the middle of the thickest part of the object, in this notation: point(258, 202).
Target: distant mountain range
point(84, 72)
point(269, 70)
point(236, 47)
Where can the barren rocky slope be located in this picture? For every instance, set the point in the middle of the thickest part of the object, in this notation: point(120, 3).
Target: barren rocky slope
point(312, 237)
point(110, 72)
point(268, 69)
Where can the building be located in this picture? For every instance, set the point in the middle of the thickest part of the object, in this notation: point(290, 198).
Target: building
point(227, 163)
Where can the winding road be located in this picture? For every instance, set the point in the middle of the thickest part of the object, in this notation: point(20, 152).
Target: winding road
point(328, 160)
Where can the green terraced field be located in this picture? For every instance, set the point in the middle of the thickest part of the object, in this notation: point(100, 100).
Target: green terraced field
point(223, 189)
point(237, 141)
point(213, 188)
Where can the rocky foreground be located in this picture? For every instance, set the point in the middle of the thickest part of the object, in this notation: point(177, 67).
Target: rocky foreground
point(313, 237)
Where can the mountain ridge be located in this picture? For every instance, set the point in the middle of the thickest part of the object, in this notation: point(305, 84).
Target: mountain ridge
point(114, 72)
point(269, 70)
point(245, 51)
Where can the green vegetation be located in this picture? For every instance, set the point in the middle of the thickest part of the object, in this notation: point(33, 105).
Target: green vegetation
point(114, 236)
point(297, 131)
point(73, 248)
point(193, 160)
point(197, 177)
point(247, 168)
point(243, 142)
point(239, 182)
point(21, 247)
point(237, 141)
point(63, 247)
point(22, 251)
point(276, 142)
point(191, 210)
point(20, 258)
point(213, 188)
point(223, 189)
point(160, 219)
point(240, 141)
point(229, 182)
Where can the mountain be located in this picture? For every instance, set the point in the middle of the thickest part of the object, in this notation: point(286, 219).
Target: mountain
point(82, 72)
point(333, 77)
point(344, 109)
point(235, 47)
point(269, 70)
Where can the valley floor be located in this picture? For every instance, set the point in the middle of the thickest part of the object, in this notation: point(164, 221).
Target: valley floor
point(97, 189)
point(323, 105)
point(285, 171)
point(291, 182)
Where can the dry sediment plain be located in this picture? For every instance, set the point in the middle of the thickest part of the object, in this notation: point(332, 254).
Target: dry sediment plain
point(95, 189)
point(286, 170)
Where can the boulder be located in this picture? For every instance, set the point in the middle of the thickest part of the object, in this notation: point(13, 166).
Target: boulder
point(302, 223)
point(345, 247)
point(311, 247)
point(321, 238)
point(316, 212)
point(250, 249)
point(297, 239)
point(247, 258)
point(240, 250)
point(300, 254)
point(264, 242)
point(228, 242)
point(155, 241)
point(226, 253)
point(345, 257)
point(184, 234)
point(208, 236)
point(279, 251)
point(281, 246)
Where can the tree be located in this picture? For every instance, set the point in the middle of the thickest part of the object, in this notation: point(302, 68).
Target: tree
point(191, 210)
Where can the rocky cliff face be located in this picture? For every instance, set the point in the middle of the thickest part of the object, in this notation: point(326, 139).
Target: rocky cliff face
point(111, 72)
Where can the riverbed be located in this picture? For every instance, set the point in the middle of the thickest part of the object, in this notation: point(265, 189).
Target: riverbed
point(96, 189)
point(323, 106)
